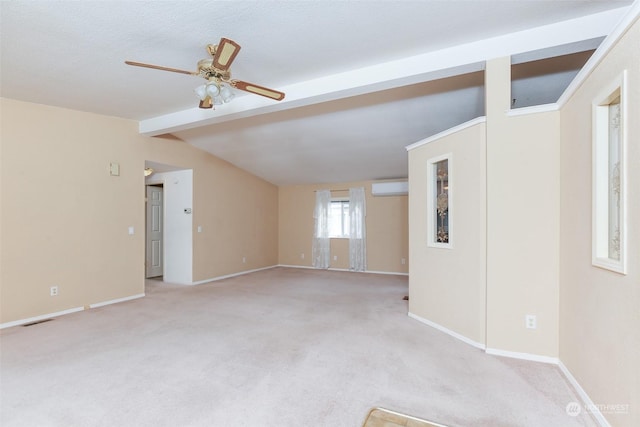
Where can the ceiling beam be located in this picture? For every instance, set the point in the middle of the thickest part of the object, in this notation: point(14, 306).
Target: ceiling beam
point(430, 66)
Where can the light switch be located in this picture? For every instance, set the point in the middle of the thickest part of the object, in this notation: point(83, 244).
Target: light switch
point(199, 229)
point(114, 169)
point(131, 230)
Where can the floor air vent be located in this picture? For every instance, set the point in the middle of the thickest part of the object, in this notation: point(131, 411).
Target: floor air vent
point(37, 322)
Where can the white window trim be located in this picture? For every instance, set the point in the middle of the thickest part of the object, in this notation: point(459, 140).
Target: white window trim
point(431, 209)
point(600, 178)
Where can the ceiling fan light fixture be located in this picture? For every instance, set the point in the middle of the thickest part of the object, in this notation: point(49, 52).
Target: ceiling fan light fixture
point(201, 92)
point(226, 93)
point(213, 89)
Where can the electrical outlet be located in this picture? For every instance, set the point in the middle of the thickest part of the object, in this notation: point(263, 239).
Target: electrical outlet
point(531, 321)
point(53, 291)
point(403, 261)
point(302, 256)
point(244, 260)
point(335, 257)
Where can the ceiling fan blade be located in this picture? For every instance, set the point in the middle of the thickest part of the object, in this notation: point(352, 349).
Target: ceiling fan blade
point(258, 90)
point(225, 54)
point(158, 67)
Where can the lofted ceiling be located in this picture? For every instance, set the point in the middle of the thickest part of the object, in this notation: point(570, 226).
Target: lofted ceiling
point(363, 79)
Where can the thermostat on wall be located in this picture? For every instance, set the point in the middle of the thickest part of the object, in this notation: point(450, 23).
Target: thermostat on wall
point(187, 210)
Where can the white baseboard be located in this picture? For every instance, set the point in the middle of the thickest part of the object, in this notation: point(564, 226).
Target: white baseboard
point(447, 331)
point(69, 311)
point(115, 301)
point(38, 318)
point(391, 273)
point(523, 356)
point(308, 267)
point(588, 403)
point(215, 279)
point(345, 269)
point(492, 351)
point(586, 400)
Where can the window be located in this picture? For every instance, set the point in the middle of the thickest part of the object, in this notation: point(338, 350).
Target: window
point(439, 199)
point(339, 218)
point(609, 179)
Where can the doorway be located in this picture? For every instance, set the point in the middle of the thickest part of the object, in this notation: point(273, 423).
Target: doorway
point(171, 256)
point(154, 253)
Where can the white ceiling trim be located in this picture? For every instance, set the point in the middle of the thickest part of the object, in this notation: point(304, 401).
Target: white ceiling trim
point(565, 49)
point(447, 132)
point(623, 25)
point(534, 109)
point(425, 67)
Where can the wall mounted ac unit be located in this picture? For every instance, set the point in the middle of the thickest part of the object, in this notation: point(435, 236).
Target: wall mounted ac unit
point(390, 188)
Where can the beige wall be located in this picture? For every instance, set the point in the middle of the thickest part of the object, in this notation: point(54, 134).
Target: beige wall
point(387, 233)
point(448, 286)
point(538, 239)
point(238, 213)
point(64, 219)
point(522, 221)
point(506, 199)
point(600, 309)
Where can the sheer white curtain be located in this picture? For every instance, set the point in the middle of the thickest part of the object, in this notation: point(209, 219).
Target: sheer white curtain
point(357, 230)
point(321, 244)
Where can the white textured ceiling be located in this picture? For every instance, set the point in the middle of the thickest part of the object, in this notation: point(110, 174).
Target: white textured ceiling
point(359, 78)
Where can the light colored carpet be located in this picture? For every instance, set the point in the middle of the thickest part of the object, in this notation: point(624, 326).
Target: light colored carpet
point(280, 347)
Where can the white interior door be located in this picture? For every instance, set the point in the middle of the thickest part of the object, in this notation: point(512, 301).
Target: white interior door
point(154, 251)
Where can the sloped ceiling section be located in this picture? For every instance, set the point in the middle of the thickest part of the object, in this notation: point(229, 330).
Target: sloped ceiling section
point(360, 137)
point(362, 79)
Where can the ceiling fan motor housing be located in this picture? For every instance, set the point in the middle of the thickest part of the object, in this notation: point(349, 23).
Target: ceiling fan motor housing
point(208, 71)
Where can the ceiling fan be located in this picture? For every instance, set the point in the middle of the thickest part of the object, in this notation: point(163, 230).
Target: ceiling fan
point(216, 70)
